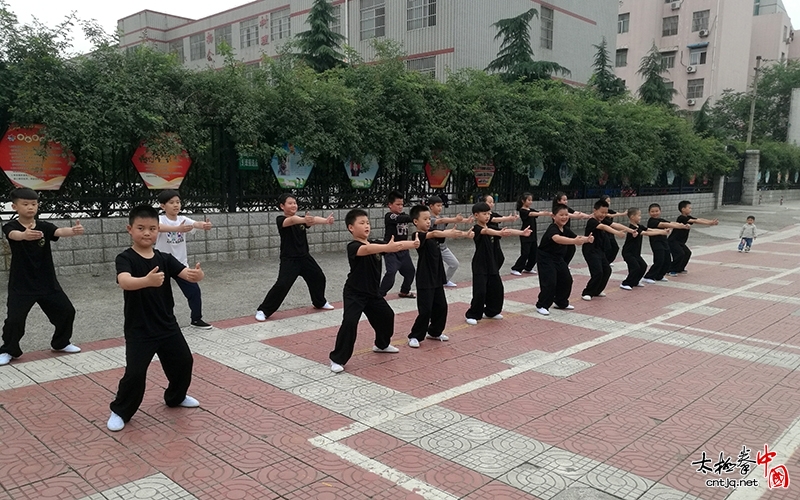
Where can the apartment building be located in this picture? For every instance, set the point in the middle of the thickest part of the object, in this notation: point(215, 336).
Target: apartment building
point(437, 35)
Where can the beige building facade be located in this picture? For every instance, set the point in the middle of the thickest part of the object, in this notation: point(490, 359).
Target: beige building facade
point(437, 35)
point(707, 46)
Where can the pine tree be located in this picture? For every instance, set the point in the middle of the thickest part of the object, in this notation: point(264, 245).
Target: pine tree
point(319, 46)
point(607, 84)
point(654, 90)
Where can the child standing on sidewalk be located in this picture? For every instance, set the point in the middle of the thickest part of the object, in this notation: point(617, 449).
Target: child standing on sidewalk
point(527, 244)
point(632, 249)
point(677, 240)
point(659, 245)
point(747, 234)
point(594, 252)
point(436, 204)
point(396, 229)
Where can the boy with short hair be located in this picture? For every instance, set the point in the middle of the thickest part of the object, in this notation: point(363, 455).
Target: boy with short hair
point(32, 277)
point(431, 278)
point(487, 287)
point(396, 228)
point(677, 240)
point(747, 234)
point(296, 260)
point(362, 292)
point(632, 249)
point(594, 252)
point(436, 204)
point(150, 324)
point(659, 245)
point(171, 230)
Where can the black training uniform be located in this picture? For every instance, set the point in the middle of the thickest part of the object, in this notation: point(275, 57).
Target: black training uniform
point(555, 281)
point(527, 244)
point(677, 245)
point(397, 225)
point(632, 253)
point(660, 247)
point(431, 301)
point(487, 287)
point(595, 255)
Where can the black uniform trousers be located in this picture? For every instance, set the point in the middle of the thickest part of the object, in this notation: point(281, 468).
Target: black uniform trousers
point(397, 261)
point(527, 254)
point(570, 254)
point(487, 296)
point(636, 268)
point(661, 261)
point(432, 313)
point(680, 256)
point(612, 249)
point(176, 361)
point(599, 270)
point(555, 282)
point(288, 273)
point(379, 314)
point(56, 306)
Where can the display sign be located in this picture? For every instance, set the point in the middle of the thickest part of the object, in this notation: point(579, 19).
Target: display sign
point(248, 163)
point(362, 175)
point(484, 175)
point(417, 166)
point(291, 171)
point(161, 173)
point(535, 174)
point(21, 159)
point(438, 175)
point(565, 172)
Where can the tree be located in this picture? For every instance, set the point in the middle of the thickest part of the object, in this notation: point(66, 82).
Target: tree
point(515, 58)
point(607, 84)
point(654, 90)
point(702, 122)
point(319, 46)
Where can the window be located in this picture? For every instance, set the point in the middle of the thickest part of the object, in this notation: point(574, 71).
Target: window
point(697, 56)
point(785, 34)
point(623, 23)
point(248, 33)
point(622, 58)
point(373, 19)
point(336, 24)
point(669, 26)
point(695, 89)
point(197, 46)
point(420, 14)
point(176, 47)
point(222, 34)
point(546, 15)
point(700, 20)
point(668, 60)
point(424, 65)
point(280, 24)
point(669, 85)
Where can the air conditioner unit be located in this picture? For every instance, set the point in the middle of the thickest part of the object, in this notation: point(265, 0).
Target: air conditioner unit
point(703, 33)
point(691, 69)
point(690, 102)
point(675, 5)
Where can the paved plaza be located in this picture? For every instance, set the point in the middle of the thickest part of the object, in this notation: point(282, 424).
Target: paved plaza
point(668, 392)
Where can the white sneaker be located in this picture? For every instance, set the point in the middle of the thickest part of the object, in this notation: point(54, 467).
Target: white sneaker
point(532, 271)
point(327, 306)
point(413, 343)
point(336, 367)
point(587, 297)
point(450, 284)
point(516, 273)
point(389, 348)
point(601, 294)
point(115, 423)
point(189, 402)
point(648, 280)
point(663, 280)
point(440, 338)
point(640, 284)
point(543, 311)
point(626, 287)
point(70, 349)
point(472, 321)
point(498, 316)
point(260, 316)
point(568, 308)
point(5, 358)
point(611, 264)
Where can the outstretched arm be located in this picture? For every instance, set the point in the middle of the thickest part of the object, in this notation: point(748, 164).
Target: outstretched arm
point(75, 230)
point(706, 222)
point(578, 240)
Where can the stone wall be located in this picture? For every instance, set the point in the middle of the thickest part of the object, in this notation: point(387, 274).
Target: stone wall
point(241, 236)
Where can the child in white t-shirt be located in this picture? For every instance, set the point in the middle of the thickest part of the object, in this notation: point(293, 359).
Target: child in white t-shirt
point(172, 229)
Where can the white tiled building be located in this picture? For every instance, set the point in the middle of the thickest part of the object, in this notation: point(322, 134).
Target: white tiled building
point(436, 34)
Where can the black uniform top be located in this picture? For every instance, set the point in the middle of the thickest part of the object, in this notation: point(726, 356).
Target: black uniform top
point(365, 271)
point(396, 225)
point(32, 271)
point(149, 311)
point(633, 246)
point(550, 247)
point(600, 236)
point(294, 242)
point(609, 220)
point(430, 267)
point(498, 250)
point(484, 260)
point(652, 223)
point(439, 227)
point(681, 235)
point(528, 221)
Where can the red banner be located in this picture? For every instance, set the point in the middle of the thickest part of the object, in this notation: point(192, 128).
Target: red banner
point(161, 173)
point(484, 175)
point(21, 160)
point(438, 175)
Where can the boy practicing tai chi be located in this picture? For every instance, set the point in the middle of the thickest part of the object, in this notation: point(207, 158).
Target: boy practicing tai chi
point(171, 230)
point(438, 223)
point(487, 287)
point(677, 240)
point(396, 228)
point(747, 234)
point(431, 278)
point(32, 277)
point(659, 245)
point(632, 249)
point(601, 227)
point(150, 324)
point(295, 259)
point(362, 293)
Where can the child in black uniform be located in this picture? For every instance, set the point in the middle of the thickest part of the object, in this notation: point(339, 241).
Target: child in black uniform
point(396, 228)
point(150, 324)
point(431, 278)
point(561, 199)
point(632, 249)
point(495, 220)
point(32, 277)
point(555, 281)
point(487, 287)
point(612, 248)
point(677, 240)
point(594, 253)
point(527, 244)
point(295, 259)
point(362, 293)
point(659, 245)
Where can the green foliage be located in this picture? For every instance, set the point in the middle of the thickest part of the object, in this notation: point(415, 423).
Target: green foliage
point(654, 90)
point(603, 80)
point(319, 46)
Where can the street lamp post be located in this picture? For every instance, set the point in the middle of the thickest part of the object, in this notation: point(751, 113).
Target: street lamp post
point(753, 101)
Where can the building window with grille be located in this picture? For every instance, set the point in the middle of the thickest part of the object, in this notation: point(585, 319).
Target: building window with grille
point(669, 85)
point(336, 24)
point(223, 34)
point(280, 24)
point(420, 14)
point(697, 56)
point(373, 19)
point(197, 46)
point(668, 60)
point(623, 23)
point(622, 58)
point(669, 26)
point(423, 65)
point(547, 17)
point(695, 89)
point(700, 20)
point(176, 47)
point(248, 33)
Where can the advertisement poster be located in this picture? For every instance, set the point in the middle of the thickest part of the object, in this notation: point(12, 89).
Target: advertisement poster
point(362, 175)
point(565, 172)
point(290, 170)
point(21, 160)
point(161, 173)
point(438, 175)
point(484, 175)
point(535, 174)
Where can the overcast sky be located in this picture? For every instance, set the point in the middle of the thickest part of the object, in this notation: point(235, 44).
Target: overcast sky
point(51, 12)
